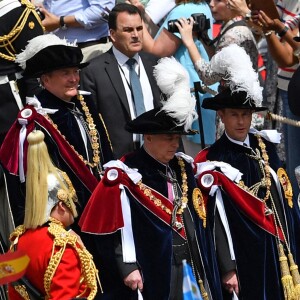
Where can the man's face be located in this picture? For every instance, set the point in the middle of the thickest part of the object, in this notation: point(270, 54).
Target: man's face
point(237, 122)
point(162, 146)
point(128, 36)
point(62, 83)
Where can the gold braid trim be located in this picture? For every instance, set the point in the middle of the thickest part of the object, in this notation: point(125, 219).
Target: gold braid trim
point(14, 238)
point(7, 39)
point(21, 290)
point(62, 239)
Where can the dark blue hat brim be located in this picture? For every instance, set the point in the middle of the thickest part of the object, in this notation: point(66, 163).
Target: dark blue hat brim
point(53, 58)
point(54, 68)
point(226, 99)
point(156, 121)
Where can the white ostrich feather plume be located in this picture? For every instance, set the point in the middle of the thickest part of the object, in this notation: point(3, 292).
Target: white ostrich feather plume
point(37, 44)
point(235, 64)
point(170, 74)
point(173, 80)
point(181, 109)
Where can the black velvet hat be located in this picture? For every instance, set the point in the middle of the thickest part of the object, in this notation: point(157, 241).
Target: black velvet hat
point(47, 53)
point(156, 121)
point(228, 99)
point(53, 58)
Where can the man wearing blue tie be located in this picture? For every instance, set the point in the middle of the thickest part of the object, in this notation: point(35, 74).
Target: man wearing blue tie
point(121, 80)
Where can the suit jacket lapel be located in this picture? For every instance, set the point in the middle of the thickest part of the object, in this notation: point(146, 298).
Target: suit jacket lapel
point(148, 65)
point(113, 73)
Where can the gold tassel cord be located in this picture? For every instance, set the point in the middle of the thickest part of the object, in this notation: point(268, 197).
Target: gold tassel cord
point(202, 290)
point(286, 278)
point(295, 276)
point(289, 270)
point(281, 119)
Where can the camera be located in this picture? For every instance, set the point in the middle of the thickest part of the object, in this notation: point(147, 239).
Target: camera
point(40, 14)
point(201, 23)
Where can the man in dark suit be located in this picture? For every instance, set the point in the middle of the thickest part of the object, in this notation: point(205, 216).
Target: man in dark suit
point(108, 77)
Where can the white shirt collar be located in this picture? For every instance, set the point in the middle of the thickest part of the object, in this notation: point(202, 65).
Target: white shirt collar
point(122, 58)
point(246, 141)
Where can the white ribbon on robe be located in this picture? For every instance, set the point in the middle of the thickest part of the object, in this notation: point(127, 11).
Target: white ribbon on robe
point(128, 246)
point(270, 135)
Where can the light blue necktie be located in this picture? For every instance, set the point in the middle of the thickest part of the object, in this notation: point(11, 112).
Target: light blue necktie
point(136, 88)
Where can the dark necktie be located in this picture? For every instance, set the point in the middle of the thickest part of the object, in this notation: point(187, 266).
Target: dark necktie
point(136, 88)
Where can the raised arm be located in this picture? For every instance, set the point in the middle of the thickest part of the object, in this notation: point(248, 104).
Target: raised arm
point(282, 50)
point(166, 43)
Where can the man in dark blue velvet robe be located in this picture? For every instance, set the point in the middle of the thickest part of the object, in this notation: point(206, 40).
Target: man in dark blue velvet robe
point(247, 248)
point(165, 228)
point(73, 128)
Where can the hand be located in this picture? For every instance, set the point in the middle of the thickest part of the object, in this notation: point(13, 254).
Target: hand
point(51, 21)
point(230, 282)
point(186, 30)
point(239, 6)
point(138, 4)
point(134, 280)
point(267, 23)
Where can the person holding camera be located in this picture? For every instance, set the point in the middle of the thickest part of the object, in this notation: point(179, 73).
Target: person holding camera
point(234, 30)
point(169, 42)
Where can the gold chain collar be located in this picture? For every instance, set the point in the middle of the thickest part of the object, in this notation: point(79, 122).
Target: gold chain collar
point(265, 169)
point(92, 131)
point(184, 187)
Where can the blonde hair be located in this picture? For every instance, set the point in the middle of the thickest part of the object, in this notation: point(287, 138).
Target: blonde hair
point(39, 165)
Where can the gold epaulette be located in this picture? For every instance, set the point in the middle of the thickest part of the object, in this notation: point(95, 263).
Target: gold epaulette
point(6, 41)
point(62, 239)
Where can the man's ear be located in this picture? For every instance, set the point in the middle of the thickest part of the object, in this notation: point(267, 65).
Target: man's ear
point(61, 206)
point(147, 137)
point(220, 114)
point(112, 35)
